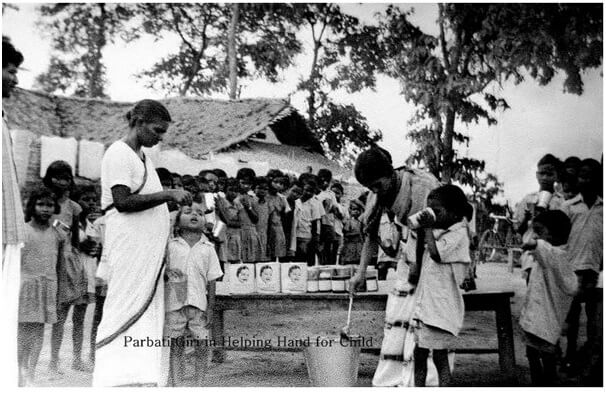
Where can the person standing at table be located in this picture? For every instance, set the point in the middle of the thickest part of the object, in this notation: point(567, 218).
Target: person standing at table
point(404, 192)
point(136, 235)
point(13, 226)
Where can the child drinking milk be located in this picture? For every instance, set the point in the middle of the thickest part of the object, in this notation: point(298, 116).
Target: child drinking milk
point(192, 267)
point(551, 285)
point(41, 254)
point(440, 309)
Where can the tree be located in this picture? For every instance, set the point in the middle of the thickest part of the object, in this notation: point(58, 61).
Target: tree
point(450, 76)
point(265, 43)
point(79, 34)
point(231, 50)
point(340, 127)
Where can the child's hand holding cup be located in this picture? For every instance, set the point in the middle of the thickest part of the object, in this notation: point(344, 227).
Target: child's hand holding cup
point(422, 219)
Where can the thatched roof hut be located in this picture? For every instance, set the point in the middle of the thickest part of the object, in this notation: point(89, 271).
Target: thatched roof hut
point(248, 130)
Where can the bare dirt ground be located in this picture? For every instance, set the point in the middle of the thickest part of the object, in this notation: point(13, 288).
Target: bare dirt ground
point(286, 369)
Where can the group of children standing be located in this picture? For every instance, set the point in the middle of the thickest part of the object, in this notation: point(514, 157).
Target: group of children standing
point(563, 267)
point(277, 216)
point(304, 220)
point(265, 218)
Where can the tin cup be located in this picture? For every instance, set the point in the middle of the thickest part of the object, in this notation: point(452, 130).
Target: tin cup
point(413, 220)
point(544, 198)
point(219, 228)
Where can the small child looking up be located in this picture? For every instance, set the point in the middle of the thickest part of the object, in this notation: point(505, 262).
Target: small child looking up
point(551, 286)
point(441, 310)
point(192, 267)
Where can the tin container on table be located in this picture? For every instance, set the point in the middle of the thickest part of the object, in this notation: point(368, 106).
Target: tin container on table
point(372, 280)
point(340, 276)
point(313, 276)
point(324, 279)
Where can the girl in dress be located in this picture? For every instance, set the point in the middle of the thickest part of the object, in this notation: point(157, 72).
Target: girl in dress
point(71, 279)
point(278, 208)
point(40, 258)
point(352, 234)
point(251, 246)
point(262, 209)
point(228, 209)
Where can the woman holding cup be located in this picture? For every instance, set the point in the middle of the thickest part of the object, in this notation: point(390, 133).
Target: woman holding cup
point(136, 233)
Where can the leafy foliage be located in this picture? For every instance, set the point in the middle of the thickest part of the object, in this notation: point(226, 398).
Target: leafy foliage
point(79, 32)
point(266, 44)
point(451, 76)
point(337, 64)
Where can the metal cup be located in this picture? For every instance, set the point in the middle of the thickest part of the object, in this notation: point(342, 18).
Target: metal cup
point(544, 198)
point(413, 220)
point(219, 228)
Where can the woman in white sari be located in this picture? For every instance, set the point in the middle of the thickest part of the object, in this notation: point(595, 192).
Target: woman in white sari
point(136, 233)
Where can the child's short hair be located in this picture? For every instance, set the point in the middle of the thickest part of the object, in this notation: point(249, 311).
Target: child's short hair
point(573, 162)
point(220, 173)
point(261, 181)
point(240, 269)
point(41, 192)
point(265, 268)
point(246, 174)
point(232, 183)
point(557, 223)
point(293, 268)
point(274, 173)
point(325, 175)
point(188, 180)
point(305, 177)
point(282, 180)
point(55, 169)
point(550, 159)
point(164, 175)
point(452, 198)
point(81, 190)
point(568, 178)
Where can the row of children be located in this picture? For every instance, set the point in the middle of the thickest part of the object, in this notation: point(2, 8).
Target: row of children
point(562, 229)
point(275, 217)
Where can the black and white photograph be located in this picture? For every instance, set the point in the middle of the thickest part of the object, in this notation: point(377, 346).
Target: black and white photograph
point(284, 195)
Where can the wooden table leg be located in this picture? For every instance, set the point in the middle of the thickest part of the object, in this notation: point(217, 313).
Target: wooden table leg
point(507, 360)
point(218, 334)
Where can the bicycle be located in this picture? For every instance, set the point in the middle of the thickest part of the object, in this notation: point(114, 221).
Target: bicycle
point(492, 241)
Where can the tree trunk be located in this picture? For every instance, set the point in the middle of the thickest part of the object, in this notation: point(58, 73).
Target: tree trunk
point(313, 78)
point(231, 50)
point(95, 88)
point(448, 153)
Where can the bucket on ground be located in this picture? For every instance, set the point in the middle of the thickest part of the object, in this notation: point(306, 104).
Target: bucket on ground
point(334, 365)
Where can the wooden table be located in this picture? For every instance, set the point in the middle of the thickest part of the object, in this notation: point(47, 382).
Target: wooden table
point(497, 301)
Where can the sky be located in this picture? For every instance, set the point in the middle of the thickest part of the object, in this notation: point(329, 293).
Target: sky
point(542, 119)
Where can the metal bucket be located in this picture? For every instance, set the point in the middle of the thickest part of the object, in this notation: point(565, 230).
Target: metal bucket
point(336, 365)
